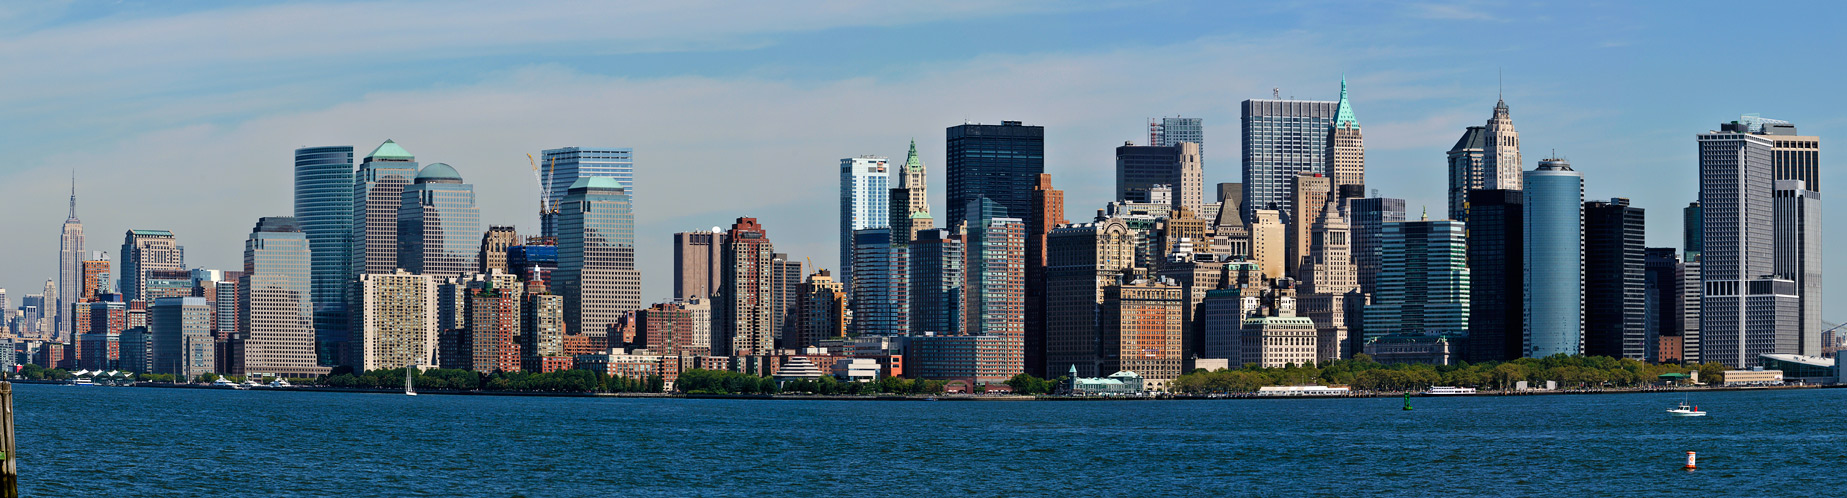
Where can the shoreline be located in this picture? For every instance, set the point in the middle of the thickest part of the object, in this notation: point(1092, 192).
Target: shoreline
point(965, 397)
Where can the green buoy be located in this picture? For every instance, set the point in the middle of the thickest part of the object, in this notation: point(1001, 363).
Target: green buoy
point(1407, 401)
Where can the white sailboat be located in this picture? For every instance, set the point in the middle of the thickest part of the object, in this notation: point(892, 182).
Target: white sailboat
point(410, 389)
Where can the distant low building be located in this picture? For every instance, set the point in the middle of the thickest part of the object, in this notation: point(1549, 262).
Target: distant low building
point(1116, 384)
point(1758, 377)
point(1411, 348)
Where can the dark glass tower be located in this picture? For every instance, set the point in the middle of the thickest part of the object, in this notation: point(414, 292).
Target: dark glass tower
point(1496, 275)
point(1000, 162)
point(1615, 280)
point(324, 207)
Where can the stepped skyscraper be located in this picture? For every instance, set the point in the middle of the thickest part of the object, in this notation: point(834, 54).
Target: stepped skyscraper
point(1485, 158)
point(70, 263)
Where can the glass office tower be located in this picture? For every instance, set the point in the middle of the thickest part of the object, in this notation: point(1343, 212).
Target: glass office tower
point(1554, 263)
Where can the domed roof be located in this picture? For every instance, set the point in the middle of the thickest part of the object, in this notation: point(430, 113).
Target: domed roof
point(438, 173)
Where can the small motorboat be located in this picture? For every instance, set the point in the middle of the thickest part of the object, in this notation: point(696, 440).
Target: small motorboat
point(1686, 411)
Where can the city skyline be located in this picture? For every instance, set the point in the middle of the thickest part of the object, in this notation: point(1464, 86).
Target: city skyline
point(248, 151)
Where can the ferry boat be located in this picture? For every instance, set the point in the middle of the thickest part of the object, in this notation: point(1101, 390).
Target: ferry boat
point(1686, 411)
point(82, 381)
point(1449, 391)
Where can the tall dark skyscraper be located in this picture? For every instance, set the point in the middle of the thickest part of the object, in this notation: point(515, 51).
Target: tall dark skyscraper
point(1615, 280)
point(324, 208)
point(1000, 162)
point(1496, 275)
point(1366, 221)
point(1665, 275)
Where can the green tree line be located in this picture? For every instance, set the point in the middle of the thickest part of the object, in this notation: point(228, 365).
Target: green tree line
point(1362, 373)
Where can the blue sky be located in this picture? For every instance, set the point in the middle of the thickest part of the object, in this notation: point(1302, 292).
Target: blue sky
point(183, 115)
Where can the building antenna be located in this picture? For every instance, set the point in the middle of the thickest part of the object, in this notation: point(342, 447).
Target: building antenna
point(1500, 85)
point(1276, 93)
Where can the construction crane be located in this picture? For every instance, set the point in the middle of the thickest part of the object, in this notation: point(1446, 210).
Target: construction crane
point(545, 181)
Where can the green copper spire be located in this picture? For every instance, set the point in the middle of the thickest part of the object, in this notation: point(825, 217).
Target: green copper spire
point(911, 161)
point(1343, 114)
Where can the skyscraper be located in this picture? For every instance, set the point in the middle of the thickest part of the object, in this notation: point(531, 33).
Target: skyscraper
point(742, 309)
point(1662, 303)
point(1746, 310)
point(562, 168)
point(145, 252)
point(1142, 331)
point(378, 191)
point(1615, 280)
point(397, 317)
point(880, 289)
point(1554, 259)
point(324, 208)
point(1366, 219)
point(494, 244)
point(785, 283)
point(1269, 243)
point(1693, 236)
point(1346, 149)
point(94, 276)
point(1327, 277)
point(1466, 173)
point(1176, 166)
point(1282, 140)
point(821, 311)
point(1423, 281)
point(909, 201)
point(999, 162)
point(1081, 260)
point(1048, 213)
point(1174, 130)
point(697, 263)
point(1500, 156)
point(596, 256)
point(70, 263)
point(1311, 193)
point(181, 330)
point(1798, 255)
point(1497, 278)
point(275, 333)
point(1792, 156)
point(438, 224)
point(865, 202)
point(937, 269)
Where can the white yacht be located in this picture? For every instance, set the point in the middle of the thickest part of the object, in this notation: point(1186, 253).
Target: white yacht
point(1685, 410)
point(1449, 391)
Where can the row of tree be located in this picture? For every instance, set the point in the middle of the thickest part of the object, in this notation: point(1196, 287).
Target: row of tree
point(1362, 373)
point(561, 381)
